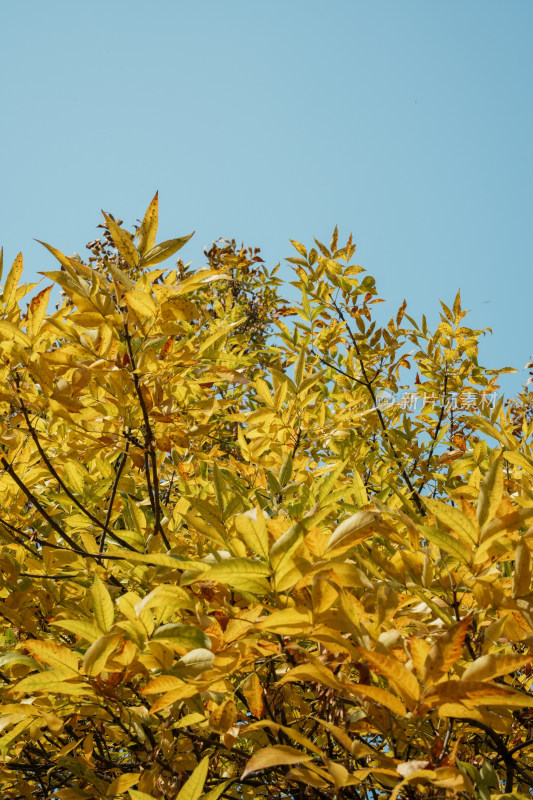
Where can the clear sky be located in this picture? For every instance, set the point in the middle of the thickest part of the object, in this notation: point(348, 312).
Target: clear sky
point(408, 122)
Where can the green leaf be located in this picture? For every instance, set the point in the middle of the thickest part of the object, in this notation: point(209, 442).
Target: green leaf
point(79, 627)
point(180, 635)
point(327, 484)
point(136, 795)
point(242, 574)
point(215, 793)
point(449, 544)
point(42, 681)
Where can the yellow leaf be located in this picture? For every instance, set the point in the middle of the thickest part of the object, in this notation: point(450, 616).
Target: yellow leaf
point(193, 786)
point(253, 692)
point(353, 530)
point(313, 673)
point(492, 665)
point(123, 242)
point(165, 596)
point(446, 651)
point(380, 696)
point(122, 783)
point(454, 519)
point(253, 531)
point(519, 460)
point(287, 621)
point(96, 656)
point(242, 574)
point(360, 495)
point(10, 332)
point(86, 630)
point(169, 698)
point(103, 609)
point(141, 303)
point(274, 757)
point(37, 311)
point(136, 795)
point(163, 683)
point(449, 544)
point(12, 281)
point(55, 655)
point(223, 717)
point(404, 680)
point(43, 681)
point(163, 250)
point(490, 492)
point(148, 230)
point(522, 569)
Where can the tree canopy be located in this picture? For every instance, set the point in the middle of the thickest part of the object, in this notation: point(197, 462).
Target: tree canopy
point(252, 546)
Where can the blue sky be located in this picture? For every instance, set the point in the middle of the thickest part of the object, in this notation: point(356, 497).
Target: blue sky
point(408, 122)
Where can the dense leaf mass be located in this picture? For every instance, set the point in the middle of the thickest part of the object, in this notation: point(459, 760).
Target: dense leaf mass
point(252, 548)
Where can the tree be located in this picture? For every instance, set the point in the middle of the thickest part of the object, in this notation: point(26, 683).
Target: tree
point(240, 556)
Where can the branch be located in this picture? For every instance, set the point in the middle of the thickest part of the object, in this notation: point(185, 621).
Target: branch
point(501, 748)
point(104, 526)
point(149, 444)
point(368, 383)
point(121, 465)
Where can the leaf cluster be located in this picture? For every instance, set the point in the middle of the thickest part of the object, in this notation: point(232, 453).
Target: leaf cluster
point(240, 556)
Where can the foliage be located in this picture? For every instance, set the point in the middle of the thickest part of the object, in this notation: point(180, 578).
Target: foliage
point(239, 558)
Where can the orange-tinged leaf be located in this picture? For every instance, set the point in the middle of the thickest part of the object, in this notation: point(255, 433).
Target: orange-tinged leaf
point(253, 692)
point(55, 655)
point(446, 651)
point(223, 716)
point(37, 310)
point(404, 680)
point(419, 650)
point(274, 756)
point(475, 692)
